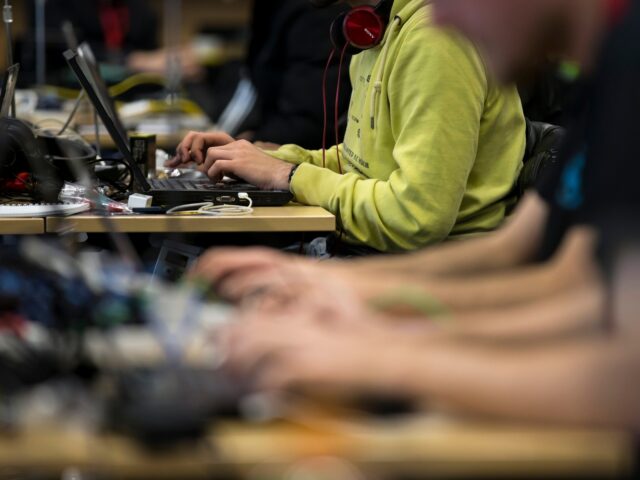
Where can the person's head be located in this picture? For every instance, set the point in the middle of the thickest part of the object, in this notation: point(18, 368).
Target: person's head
point(515, 36)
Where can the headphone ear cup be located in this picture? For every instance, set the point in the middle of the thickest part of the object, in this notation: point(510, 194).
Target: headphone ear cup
point(360, 29)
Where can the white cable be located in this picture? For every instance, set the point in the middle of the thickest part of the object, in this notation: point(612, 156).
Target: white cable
point(212, 210)
point(72, 115)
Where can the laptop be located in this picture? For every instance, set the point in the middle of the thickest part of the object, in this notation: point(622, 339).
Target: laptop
point(8, 90)
point(86, 53)
point(172, 191)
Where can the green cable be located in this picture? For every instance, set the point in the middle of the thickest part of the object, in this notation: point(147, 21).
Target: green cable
point(415, 299)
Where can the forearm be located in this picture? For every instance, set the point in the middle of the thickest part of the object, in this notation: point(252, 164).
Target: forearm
point(501, 289)
point(585, 382)
point(577, 311)
point(451, 258)
point(572, 267)
point(513, 244)
point(489, 291)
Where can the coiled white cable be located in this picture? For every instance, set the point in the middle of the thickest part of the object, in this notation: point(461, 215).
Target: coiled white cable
point(212, 210)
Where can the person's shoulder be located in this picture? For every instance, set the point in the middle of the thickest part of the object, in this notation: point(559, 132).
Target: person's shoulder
point(420, 28)
point(421, 37)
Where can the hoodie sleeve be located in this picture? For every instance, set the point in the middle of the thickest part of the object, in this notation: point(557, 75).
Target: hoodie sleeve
point(436, 90)
point(298, 155)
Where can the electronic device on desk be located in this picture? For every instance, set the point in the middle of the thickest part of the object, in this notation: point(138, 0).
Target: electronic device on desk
point(175, 259)
point(23, 166)
point(93, 319)
point(33, 210)
point(34, 162)
point(172, 192)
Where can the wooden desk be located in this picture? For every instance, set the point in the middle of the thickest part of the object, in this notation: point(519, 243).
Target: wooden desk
point(22, 226)
point(414, 449)
point(290, 218)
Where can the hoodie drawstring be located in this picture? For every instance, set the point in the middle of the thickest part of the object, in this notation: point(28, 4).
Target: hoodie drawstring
point(377, 85)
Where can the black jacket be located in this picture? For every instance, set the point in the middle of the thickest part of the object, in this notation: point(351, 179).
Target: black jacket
point(289, 48)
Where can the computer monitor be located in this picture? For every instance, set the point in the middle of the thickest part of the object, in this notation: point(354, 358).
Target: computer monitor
point(8, 90)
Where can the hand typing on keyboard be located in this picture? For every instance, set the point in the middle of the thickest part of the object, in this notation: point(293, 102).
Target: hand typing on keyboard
point(193, 149)
point(219, 155)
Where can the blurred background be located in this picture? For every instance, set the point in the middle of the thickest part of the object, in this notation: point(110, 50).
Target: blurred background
point(253, 69)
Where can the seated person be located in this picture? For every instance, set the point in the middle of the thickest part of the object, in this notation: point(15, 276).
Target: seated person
point(285, 63)
point(286, 60)
point(478, 278)
point(578, 378)
point(432, 148)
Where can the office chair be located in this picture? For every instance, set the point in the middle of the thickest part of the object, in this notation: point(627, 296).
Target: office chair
point(543, 145)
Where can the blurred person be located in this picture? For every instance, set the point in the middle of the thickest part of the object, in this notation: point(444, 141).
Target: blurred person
point(579, 378)
point(285, 63)
point(276, 96)
point(115, 29)
point(523, 261)
point(432, 149)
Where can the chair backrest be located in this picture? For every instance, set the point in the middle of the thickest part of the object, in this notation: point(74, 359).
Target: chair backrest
point(543, 144)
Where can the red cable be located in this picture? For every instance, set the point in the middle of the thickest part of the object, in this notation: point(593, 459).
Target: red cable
point(324, 108)
point(337, 106)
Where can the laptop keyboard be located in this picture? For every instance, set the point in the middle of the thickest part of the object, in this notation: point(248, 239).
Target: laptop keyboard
point(172, 184)
point(177, 184)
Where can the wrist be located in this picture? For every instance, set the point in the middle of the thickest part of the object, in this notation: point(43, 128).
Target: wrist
point(283, 175)
point(294, 169)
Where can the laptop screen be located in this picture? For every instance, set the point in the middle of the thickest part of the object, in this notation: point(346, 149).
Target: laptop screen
point(84, 51)
point(8, 90)
point(101, 103)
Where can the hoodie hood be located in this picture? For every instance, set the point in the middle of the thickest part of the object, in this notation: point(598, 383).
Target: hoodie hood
point(405, 9)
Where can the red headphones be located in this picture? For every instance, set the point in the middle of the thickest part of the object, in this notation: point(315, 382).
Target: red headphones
point(361, 28)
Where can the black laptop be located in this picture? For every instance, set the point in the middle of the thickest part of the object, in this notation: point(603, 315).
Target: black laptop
point(172, 191)
point(86, 53)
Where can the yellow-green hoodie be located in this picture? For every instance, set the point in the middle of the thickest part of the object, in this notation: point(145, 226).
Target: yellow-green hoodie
point(432, 148)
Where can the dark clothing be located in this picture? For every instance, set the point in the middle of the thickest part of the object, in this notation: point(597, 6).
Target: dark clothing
point(559, 180)
point(601, 165)
point(289, 49)
point(545, 98)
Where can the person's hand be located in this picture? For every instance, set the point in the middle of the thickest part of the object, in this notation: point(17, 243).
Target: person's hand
point(156, 62)
point(223, 267)
point(195, 145)
point(244, 160)
point(301, 350)
point(268, 277)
